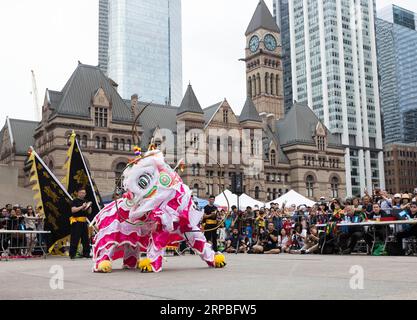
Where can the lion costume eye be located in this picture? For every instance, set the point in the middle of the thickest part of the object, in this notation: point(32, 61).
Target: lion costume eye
point(144, 181)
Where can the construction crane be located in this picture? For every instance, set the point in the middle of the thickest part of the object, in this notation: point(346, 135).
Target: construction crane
point(37, 109)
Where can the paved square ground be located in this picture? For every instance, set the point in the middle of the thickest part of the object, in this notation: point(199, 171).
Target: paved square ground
point(245, 277)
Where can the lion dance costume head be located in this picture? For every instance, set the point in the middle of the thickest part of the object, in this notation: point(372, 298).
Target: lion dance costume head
point(156, 211)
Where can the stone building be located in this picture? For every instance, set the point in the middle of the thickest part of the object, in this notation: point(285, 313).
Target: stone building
point(295, 152)
point(400, 167)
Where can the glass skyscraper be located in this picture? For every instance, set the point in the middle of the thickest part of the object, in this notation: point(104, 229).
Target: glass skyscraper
point(397, 47)
point(334, 71)
point(281, 15)
point(140, 48)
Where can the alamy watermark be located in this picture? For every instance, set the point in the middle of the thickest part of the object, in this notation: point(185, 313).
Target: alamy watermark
point(56, 281)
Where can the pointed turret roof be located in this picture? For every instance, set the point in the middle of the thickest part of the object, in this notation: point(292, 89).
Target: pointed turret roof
point(249, 112)
point(190, 103)
point(262, 19)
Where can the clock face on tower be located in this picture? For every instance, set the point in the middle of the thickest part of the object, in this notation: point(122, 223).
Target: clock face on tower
point(270, 42)
point(254, 43)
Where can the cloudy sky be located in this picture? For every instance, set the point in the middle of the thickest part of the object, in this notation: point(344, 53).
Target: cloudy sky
point(50, 36)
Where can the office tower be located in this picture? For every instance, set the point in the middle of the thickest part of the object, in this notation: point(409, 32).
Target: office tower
point(396, 38)
point(334, 71)
point(281, 16)
point(143, 42)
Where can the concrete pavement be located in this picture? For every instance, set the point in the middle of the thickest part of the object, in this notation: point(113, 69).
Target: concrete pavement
point(245, 277)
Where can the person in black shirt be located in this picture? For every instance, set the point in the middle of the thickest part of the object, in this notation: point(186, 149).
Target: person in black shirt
point(80, 209)
point(235, 243)
point(210, 222)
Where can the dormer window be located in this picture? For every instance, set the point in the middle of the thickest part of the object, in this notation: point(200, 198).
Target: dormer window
point(321, 143)
point(100, 117)
point(226, 116)
point(273, 158)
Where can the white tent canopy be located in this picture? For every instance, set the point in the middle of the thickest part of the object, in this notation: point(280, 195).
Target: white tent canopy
point(244, 200)
point(247, 201)
point(291, 198)
point(224, 202)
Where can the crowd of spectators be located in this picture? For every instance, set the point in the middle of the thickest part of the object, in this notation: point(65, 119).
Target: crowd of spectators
point(20, 219)
point(304, 230)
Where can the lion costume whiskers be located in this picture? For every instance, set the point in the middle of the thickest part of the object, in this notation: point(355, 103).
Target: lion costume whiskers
point(156, 211)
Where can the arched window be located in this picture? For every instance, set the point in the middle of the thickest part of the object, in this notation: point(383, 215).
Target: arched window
point(256, 193)
point(104, 143)
point(268, 194)
point(116, 144)
point(122, 145)
point(272, 84)
point(128, 146)
point(193, 168)
point(196, 190)
point(254, 87)
point(277, 84)
point(266, 83)
point(273, 157)
point(98, 143)
point(258, 81)
point(119, 169)
point(250, 87)
point(274, 194)
point(310, 186)
point(84, 141)
point(335, 187)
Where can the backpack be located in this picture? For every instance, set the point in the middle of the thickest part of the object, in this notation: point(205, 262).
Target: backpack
point(379, 249)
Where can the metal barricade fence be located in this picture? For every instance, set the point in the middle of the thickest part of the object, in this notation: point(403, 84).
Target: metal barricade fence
point(15, 242)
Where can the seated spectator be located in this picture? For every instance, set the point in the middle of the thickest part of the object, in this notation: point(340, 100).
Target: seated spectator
point(377, 213)
point(261, 240)
point(298, 238)
point(355, 233)
point(405, 201)
point(311, 244)
point(249, 232)
point(235, 242)
point(284, 241)
point(271, 245)
point(412, 231)
point(267, 241)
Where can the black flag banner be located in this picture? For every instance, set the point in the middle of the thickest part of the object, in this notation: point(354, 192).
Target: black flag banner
point(53, 199)
point(78, 175)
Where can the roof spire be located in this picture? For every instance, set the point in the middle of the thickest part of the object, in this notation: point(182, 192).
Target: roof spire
point(262, 19)
point(190, 102)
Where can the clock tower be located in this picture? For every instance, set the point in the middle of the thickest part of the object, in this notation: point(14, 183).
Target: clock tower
point(264, 72)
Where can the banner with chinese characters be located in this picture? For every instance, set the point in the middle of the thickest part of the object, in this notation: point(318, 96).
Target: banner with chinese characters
point(78, 175)
point(54, 201)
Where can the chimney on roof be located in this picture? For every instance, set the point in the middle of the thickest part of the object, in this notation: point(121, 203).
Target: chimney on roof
point(270, 120)
point(134, 101)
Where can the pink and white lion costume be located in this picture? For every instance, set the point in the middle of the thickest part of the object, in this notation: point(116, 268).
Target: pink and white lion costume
point(156, 211)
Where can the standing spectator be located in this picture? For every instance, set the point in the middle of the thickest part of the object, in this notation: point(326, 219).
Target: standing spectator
point(210, 222)
point(30, 224)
